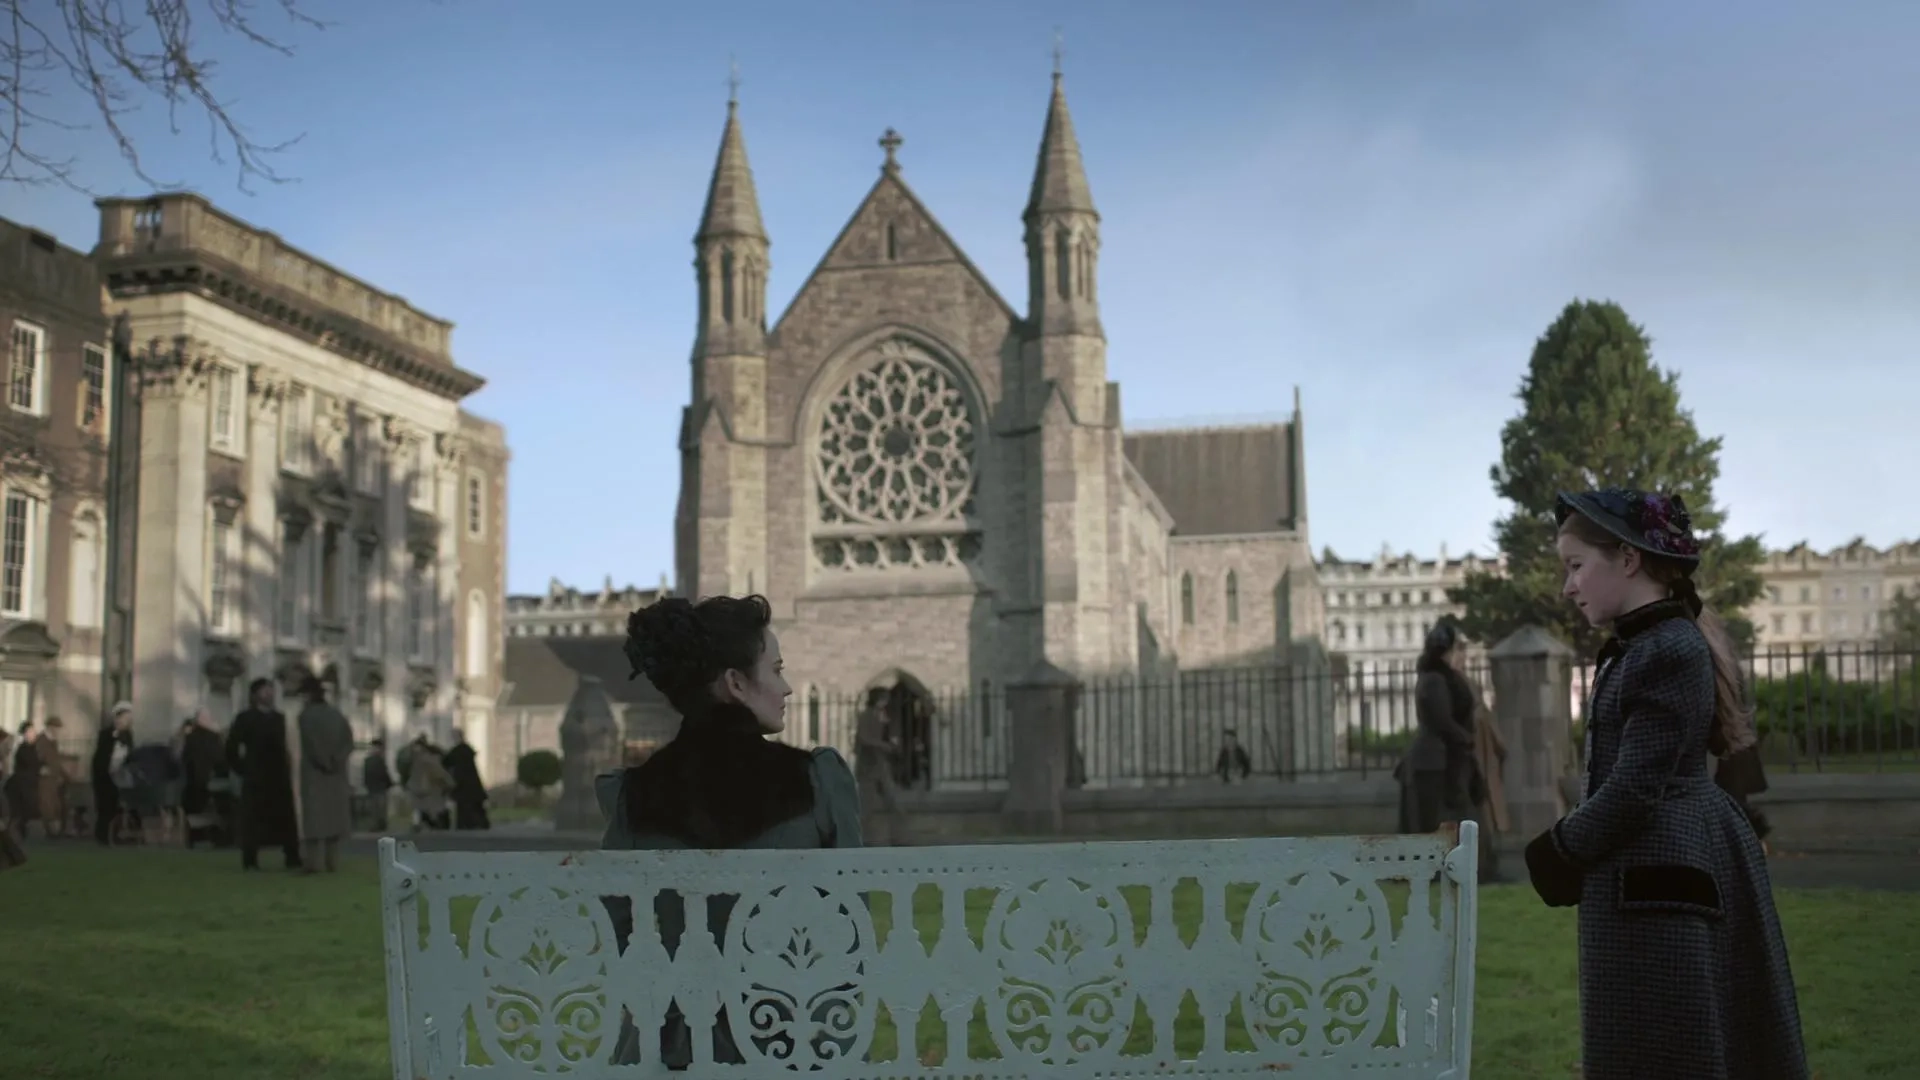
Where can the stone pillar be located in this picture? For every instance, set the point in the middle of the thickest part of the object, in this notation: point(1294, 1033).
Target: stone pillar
point(260, 543)
point(589, 745)
point(1532, 687)
point(169, 563)
point(1042, 706)
point(393, 562)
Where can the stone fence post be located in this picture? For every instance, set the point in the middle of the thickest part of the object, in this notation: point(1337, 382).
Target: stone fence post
point(1041, 707)
point(590, 745)
point(1532, 688)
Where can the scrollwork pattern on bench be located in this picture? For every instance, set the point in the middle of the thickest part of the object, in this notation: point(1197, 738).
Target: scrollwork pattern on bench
point(1217, 958)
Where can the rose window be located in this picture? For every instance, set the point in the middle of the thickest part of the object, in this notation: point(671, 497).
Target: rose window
point(896, 443)
point(894, 468)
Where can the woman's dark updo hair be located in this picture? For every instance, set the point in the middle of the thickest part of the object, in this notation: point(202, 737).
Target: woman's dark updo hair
point(1440, 641)
point(683, 647)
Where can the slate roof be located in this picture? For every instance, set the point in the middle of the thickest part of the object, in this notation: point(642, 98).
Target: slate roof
point(1220, 481)
point(545, 670)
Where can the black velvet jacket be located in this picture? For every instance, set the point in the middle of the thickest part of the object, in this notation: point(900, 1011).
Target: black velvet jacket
point(719, 783)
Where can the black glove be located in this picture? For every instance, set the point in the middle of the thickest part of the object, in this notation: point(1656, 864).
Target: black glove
point(1555, 877)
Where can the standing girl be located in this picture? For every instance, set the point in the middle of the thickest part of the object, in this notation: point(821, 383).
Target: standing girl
point(1683, 969)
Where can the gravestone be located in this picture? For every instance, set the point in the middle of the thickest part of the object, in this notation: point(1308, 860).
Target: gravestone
point(590, 744)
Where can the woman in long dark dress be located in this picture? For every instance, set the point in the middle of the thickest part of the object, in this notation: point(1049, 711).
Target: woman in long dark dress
point(720, 783)
point(1437, 777)
point(1683, 969)
point(23, 783)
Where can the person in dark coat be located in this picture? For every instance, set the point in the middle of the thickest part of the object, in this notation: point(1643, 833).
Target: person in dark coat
point(203, 760)
point(257, 753)
point(1683, 968)
point(1437, 776)
point(110, 750)
point(1232, 758)
point(23, 783)
point(378, 780)
point(720, 783)
point(469, 791)
point(326, 787)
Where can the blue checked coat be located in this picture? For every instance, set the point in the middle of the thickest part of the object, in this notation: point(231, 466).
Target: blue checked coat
point(1683, 969)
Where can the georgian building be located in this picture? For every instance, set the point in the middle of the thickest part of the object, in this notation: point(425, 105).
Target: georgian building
point(54, 429)
point(1832, 600)
point(564, 611)
point(1380, 609)
point(310, 496)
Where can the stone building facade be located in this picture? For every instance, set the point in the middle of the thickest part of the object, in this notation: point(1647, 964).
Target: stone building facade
point(1834, 600)
point(310, 496)
point(54, 430)
point(935, 488)
point(1380, 609)
point(564, 611)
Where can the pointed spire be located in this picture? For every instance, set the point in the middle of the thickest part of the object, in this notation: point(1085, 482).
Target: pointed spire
point(1059, 179)
point(733, 208)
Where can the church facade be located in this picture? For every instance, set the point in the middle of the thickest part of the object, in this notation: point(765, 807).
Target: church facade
point(936, 488)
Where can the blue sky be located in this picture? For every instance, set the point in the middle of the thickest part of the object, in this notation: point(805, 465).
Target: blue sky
point(1383, 202)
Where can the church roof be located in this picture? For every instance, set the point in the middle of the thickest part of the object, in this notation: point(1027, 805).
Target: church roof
point(543, 671)
point(1059, 177)
point(733, 207)
point(1222, 481)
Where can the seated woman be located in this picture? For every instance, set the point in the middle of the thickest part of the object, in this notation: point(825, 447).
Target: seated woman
point(720, 783)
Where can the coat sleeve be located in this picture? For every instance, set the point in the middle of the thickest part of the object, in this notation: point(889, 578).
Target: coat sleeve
point(838, 796)
point(1662, 699)
point(1433, 710)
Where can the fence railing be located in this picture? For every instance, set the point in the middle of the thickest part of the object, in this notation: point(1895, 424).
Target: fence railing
point(1846, 709)
point(1218, 725)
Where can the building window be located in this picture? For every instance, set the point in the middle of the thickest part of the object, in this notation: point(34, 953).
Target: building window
point(27, 374)
point(1233, 597)
point(1806, 594)
point(420, 476)
point(419, 611)
point(1866, 592)
point(366, 611)
point(225, 408)
point(1186, 599)
point(368, 460)
point(17, 555)
point(84, 600)
point(1773, 593)
point(93, 390)
point(293, 579)
point(1779, 624)
point(296, 430)
point(476, 634)
point(477, 507)
point(16, 703)
point(1806, 623)
point(332, 573)
point(223, 577)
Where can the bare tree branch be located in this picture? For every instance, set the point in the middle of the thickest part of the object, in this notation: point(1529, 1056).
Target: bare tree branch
point(116, 55)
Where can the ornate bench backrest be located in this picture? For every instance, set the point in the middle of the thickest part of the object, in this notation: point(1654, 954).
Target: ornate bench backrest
point(1313, 957)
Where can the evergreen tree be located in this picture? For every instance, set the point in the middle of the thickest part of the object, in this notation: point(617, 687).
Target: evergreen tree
point(1900, 625)
point(1596, 412)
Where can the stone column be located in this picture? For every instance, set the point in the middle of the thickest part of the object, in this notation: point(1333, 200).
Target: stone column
point(590, 745)
point(169, 585)
point(1532, 687)
point(449, 455)
point(393, 562)
point(1041, 705)
point(260, 532)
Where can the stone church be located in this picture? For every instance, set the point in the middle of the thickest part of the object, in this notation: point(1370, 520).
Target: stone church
point(933, 487)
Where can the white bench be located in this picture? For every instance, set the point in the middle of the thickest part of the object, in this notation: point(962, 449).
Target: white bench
point(1212, 958)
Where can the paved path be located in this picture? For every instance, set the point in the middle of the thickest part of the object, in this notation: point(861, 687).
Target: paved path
point(1889, 871)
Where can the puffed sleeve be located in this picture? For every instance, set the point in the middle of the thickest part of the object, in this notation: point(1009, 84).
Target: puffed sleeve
point(836, 798)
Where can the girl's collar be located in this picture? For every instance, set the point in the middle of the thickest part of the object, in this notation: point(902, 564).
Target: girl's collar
point(1644, 618)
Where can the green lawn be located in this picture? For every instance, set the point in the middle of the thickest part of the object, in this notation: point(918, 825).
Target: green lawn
point(164, 964)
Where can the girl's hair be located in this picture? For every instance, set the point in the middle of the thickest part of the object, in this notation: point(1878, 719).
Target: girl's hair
point(1733, 718)
point(683, 647)
point(1441, 639)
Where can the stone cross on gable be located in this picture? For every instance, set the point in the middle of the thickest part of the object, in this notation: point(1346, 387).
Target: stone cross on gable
point(890, 142)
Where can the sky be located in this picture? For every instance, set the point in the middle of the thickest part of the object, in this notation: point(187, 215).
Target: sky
point(1383, 203)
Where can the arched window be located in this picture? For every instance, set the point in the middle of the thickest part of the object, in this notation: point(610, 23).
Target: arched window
point(476, 634)
point(1063, 263)
point(726, 286)
point(1186, 599)
point(1233, 597)
point(893, 243)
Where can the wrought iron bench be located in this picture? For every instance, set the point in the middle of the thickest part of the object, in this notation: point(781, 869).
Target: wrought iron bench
point(1218, 958)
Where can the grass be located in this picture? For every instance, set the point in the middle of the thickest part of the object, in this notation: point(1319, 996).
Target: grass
point(164, 964)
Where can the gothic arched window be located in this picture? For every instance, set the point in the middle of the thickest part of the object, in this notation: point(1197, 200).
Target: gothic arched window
point(726, 286)
point(1063, 263)
point(1186, 599)
point(1233, 597)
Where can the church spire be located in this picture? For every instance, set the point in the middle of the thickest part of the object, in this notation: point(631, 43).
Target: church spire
point(733, 207)
point(1059, 178)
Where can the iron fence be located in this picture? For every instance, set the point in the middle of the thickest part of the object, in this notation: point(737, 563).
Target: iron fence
point(952, 740)
point(1835, 708)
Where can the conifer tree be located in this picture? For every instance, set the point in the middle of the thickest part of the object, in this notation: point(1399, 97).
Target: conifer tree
point(1595, 411)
